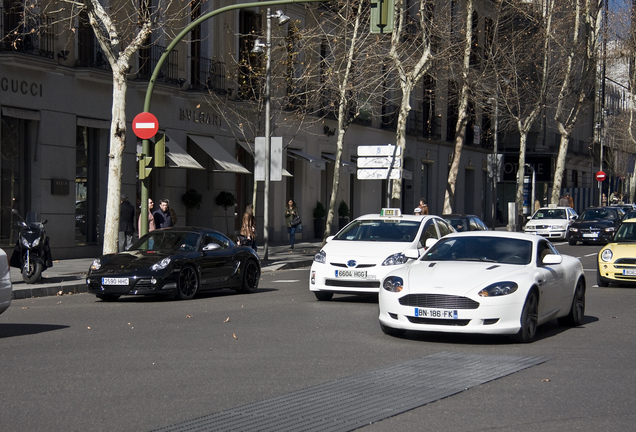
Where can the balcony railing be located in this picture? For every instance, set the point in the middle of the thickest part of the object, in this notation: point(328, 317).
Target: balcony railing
point(91, 55)
point(208, 75)
point(148, 59)
point(36, 40)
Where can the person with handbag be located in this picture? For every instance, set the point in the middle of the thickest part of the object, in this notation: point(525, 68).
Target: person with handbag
point(248, 227)
point(292, 219)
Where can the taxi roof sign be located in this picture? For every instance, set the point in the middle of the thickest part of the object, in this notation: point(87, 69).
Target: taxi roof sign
point(391, 212)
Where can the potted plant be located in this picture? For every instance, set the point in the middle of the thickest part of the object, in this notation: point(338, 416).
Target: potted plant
point(343, 214)
point(226, 200)
point(191, 199)
point(319, 220)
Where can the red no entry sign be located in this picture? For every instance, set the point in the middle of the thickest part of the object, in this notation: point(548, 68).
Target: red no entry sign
point(145, 125)
point(600, 176)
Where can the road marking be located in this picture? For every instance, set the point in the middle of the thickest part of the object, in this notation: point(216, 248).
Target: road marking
point(286, 281)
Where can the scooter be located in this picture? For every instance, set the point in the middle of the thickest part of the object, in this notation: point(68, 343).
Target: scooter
point(32, 253)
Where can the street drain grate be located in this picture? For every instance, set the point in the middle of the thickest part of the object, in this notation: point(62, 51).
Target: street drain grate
point(353, 402)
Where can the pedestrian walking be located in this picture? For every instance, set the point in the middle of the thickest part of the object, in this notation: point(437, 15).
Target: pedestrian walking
point(291, 213)
point(248, 227)
point(126, 224)
point(423, 207)
point(173, 214)
point(151, 219)
point(162, 215)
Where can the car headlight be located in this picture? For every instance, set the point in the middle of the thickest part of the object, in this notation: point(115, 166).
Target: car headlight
point(320, 257)
point(606, 255)
point(97, 264)
point(610, 229)
point(395, 259)
point(25, 242)
point(161, 264)
point(393, 284)
point(531, 227)
point(499, 289)
point(557, 227)
point(36, 242)
point(572, 229)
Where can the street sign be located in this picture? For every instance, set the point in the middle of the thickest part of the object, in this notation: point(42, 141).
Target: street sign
point(379, 174)
point(378, 162)
point(600, 176)
point(379, 150)
point(145, 125)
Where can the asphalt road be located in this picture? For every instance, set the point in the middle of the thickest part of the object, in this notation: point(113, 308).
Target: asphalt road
point(73, 363)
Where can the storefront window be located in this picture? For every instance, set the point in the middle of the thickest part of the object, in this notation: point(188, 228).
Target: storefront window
point(86, 194)
point(13, 168)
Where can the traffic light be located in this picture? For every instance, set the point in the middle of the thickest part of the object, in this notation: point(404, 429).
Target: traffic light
point(382, 16)
point(144, 161)
point(160, 151)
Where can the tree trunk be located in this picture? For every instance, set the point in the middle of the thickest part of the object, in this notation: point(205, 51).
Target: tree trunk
point(115, 156)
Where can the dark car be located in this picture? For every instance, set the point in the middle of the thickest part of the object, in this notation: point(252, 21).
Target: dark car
point(465, 222)
point(177, 262)
point(595, 225)
point(630, 215)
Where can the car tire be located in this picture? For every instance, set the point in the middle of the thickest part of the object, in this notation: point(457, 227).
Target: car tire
point(571, 242)
point(108, 297)
point(577, 310)
point(600, 280)
point(529, 319)
point(392, 331)
point(251, 276)
point(187, 284)
point(323, 295)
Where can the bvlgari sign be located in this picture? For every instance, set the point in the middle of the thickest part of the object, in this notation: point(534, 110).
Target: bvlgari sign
point(199, 116)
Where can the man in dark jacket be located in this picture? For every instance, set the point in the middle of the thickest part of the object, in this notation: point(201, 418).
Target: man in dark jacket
point(162, 216)
point(126, 223)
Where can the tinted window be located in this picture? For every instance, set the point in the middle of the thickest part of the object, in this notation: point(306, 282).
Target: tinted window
point(486, 249)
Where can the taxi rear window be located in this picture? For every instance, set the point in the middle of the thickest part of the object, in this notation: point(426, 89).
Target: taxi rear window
point(391, 230)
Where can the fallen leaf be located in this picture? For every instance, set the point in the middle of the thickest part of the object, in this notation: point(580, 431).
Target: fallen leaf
point(188, 316)
point(59, 293)
point(89, 327)
point(24, 307)
point(226, 319)
point(234, 336)
point(546, 380)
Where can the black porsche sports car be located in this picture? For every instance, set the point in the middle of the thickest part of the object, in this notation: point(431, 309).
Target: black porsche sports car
point(176, 262)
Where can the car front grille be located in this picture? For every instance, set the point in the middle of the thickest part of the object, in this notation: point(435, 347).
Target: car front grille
point(359, 266)
point(625, 261)
point(444, 322)
point(440, 301)
point(352, 283)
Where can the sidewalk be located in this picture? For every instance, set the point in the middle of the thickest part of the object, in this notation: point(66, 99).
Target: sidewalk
point(67, 276)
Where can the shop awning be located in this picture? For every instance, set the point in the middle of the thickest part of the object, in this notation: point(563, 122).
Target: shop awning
point(314, 161)
point(223, 161)
point(332, 158)
point(177, 157)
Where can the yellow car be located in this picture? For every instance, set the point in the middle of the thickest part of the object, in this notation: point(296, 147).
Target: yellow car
point(617, 260)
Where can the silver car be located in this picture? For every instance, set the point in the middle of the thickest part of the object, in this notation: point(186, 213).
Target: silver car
point(6, 289)
point(551, 222)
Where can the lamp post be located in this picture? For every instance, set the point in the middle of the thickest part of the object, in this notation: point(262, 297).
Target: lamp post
point(495, 162)
point(258, 48)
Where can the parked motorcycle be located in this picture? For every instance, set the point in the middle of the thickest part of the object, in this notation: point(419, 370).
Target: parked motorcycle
point(32, 253)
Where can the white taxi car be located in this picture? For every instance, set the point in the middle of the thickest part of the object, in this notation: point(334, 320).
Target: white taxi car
point(358, 257)
point(551, 222)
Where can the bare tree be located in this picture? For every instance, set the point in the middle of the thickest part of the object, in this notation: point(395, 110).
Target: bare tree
point(575, 40)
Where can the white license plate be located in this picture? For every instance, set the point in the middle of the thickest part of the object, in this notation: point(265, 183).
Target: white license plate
point(114, 281)
point(543, 232)
point(361, 274)
point(436, 313)
point(594, 235)
point(629, 272)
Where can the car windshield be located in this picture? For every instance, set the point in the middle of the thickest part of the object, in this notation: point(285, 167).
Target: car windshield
point(626, 233)
point(550, 214)
point(485, 249)
point(168, 241)
point(596, 214)
point(460, 224)
point(389, 230)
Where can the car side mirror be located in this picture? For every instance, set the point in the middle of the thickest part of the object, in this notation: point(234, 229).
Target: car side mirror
point(412, 253)
point(44, 221)
point(552, 259)
point(430, 242)
point(211, 247)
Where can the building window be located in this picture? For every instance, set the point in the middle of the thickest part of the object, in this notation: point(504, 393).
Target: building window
point(86, 185)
